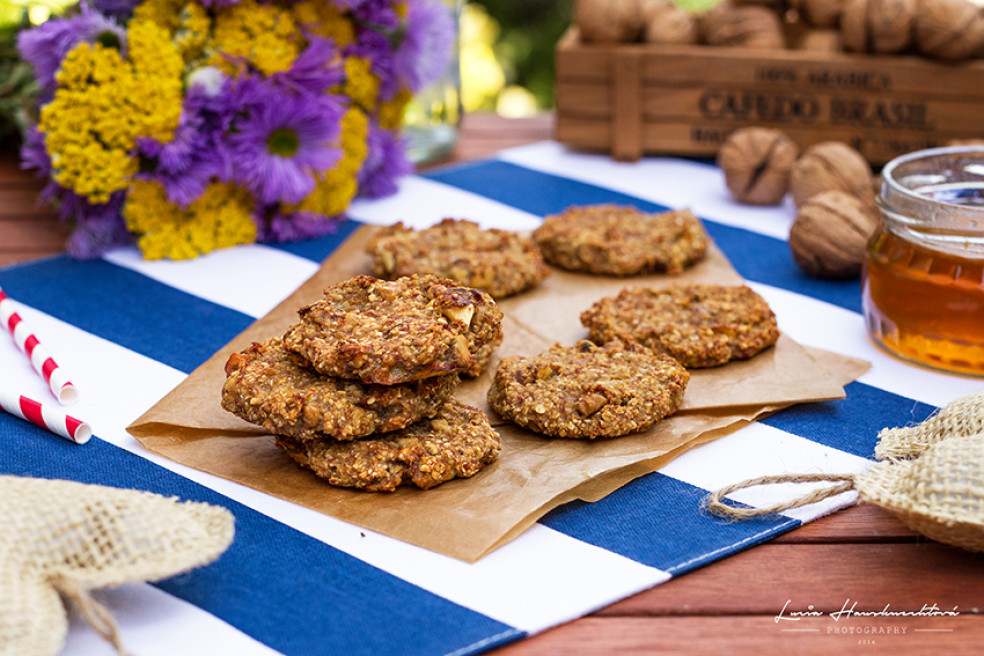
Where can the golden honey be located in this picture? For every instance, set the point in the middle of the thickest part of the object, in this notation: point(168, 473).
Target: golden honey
point(923, 282)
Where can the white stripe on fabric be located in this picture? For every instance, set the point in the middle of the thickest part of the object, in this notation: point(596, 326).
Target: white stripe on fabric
point(760, 450)
point(676, 183)
point(252, 279)
point(535, 582)
point(540, 579)
point(422, 203)
point(145, 614)
point(843, 331)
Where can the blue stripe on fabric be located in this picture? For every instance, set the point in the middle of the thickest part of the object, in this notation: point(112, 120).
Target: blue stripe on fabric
point(319, 248)
point(851, 424)
point(127, 308)
point(658, 521)
point(756, 257)
point(283, 588)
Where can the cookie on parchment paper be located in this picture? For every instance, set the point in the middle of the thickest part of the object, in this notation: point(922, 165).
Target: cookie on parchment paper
point(500, 262)
point(621, 240)
point(269, 386)
point(699, 325)
point(457, 443)
point(391, 332)
point(588, 391)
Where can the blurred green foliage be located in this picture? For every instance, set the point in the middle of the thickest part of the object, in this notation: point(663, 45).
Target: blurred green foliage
point(17, 86)
point(529, 31)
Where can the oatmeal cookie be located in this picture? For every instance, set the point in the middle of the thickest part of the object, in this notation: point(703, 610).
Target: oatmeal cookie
point(621, 241)
point(396, 332)
point(274, 388)
point(699, 325)
point(458, 442)
point(499, 262)
point(588, 391)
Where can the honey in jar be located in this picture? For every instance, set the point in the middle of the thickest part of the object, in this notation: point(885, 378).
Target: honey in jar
point(923, 281)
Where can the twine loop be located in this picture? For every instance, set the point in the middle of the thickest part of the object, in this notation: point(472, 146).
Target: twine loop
point(715, 502)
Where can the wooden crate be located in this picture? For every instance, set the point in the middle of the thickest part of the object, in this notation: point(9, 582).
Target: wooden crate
point(631, 99)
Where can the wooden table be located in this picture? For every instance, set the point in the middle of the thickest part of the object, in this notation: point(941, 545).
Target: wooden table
point(861, 554)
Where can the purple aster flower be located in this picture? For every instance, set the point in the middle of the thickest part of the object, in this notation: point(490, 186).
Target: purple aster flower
point(423, 52)
point(281, 228)
point(96, 234)
point(187, 164)
point(98, 228)
point(385, 162)
point(280, 139)
point(121, 10)
point(33, 153)
point(315, 70)
point(45, 46)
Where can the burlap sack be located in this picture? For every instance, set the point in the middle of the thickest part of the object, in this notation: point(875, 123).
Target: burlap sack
point(960, 418)
point(69, 538)
point(931, 478)
point(939, 494)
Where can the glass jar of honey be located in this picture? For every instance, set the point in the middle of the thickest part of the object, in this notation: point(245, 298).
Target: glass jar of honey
point(923, 280)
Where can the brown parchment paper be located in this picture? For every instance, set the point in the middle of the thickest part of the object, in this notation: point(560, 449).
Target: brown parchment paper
point(466, 519)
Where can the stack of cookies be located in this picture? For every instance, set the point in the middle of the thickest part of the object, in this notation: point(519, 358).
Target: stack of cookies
point(360, 389)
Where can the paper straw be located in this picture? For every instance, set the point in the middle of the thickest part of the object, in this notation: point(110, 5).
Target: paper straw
point(40, 359)
point(46, 415)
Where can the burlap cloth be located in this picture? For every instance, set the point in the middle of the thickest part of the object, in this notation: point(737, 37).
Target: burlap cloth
point(63, 539)
point(930, 476)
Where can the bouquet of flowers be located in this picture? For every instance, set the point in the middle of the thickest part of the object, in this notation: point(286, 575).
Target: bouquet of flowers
point(192, 125)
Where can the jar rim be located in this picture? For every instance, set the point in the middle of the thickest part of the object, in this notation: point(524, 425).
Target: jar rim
point(920, 188)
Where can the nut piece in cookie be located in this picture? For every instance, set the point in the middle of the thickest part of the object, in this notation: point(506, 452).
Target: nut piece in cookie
point(621, 241)
point(499, 262)
point(395, 332)
point(699, 325)
point(588, 391)
point(457, 443)
point(274, 388)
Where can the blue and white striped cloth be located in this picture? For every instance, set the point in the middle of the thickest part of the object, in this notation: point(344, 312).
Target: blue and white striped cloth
point(300, 583)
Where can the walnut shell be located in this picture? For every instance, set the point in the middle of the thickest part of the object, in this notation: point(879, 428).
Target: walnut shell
point(819, 13)
point(830, 165)
point(829, 236)
point(949, 29)
point(756, 164)
point(747, 27)
point(878, 26)
point(608, 21)
point(664, 22)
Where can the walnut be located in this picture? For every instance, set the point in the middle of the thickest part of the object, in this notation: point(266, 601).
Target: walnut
point(608, 21)
point(949, 29)
point(830, 233)
point(819, 13)
point(830, 165)
point(665, 22)
point(747, 26)
point(878, 26)
point(756, 164)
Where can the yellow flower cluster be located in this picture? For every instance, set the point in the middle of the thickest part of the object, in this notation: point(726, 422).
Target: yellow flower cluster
point(360, 84)
point(104, 103)
point(325, 20)
point(218, 219)
point(265, 35)
point(336, 188)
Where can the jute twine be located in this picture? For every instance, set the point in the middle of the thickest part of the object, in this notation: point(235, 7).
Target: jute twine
point(62, 539)
point(938, 491)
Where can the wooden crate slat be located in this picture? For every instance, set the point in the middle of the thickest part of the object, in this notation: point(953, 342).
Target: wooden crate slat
point(689, 98)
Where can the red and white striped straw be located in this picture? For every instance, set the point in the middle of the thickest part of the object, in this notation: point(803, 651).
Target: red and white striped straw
point(41, 360)
point(46, 415)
